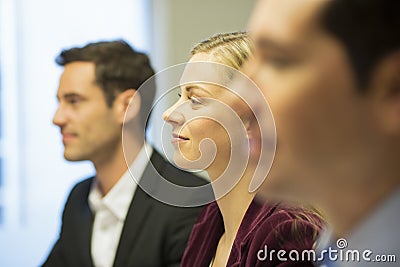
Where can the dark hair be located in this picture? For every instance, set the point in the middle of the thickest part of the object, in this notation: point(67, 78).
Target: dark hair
point(118, 67)
point(369, 29)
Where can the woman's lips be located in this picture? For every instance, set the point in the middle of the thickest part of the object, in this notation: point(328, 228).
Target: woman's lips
point(176, 138)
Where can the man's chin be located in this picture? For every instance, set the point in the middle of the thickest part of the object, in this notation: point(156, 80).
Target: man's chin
point(269, 193)
point(283, 191)
point(71, 157)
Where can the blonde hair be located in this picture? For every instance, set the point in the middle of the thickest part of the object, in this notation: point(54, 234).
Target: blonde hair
point(231, 49)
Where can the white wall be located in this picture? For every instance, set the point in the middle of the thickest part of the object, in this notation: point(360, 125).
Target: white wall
point(37, 178)
point(180, 24)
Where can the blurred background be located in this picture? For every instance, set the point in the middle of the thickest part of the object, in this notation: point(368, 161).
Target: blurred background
point(34, 177)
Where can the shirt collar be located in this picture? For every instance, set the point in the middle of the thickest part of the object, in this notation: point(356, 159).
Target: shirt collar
point(377, 233)
point(325, 239)
point(119, 198)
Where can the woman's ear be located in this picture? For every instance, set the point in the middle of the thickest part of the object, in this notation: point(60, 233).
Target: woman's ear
point(253, 136)
point(386, 88)
point(251, 125)
point(248, 124)
point(127, 105)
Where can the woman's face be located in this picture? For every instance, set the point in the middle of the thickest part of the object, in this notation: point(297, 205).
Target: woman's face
point(207, 112)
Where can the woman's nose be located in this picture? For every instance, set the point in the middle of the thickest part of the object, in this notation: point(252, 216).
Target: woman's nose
point(173, 115)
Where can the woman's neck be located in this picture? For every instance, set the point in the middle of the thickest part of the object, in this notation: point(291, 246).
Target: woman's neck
point(234, 204)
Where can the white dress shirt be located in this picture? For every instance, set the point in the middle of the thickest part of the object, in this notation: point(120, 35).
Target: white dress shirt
point(110, 211)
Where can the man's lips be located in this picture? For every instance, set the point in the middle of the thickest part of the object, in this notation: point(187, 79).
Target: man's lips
point(176, 138)
point(68, 136)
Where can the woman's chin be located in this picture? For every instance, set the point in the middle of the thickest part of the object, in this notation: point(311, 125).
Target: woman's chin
point(184, 163)
point(181, 162)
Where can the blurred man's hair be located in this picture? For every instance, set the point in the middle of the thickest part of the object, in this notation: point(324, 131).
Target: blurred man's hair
point(369, 29)
point(118, 67)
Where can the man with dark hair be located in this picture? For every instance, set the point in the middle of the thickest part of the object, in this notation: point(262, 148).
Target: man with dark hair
point(118, 67)
point(330, 71)
point(109, 220)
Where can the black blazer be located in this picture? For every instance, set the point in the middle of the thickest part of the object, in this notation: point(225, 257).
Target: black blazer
point(154, 234)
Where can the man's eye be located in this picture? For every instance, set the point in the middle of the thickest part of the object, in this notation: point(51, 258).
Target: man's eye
point(73, 101)
point(279, 62)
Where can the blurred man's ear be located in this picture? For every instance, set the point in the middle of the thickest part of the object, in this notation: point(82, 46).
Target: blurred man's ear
point(386, 88)
point(127, 105)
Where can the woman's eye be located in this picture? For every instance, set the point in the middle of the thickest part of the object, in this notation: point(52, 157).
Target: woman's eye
point(194, 100)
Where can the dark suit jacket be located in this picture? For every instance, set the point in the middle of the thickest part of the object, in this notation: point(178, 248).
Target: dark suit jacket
point(154, 234)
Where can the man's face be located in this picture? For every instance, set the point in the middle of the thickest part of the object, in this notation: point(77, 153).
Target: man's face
point(89, 128)
point(322, 121)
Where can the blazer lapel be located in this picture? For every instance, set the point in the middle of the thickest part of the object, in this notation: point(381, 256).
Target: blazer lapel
point(139, 209)
point(84, 221)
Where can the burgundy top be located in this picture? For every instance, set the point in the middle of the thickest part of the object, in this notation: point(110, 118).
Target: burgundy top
point(272, 225)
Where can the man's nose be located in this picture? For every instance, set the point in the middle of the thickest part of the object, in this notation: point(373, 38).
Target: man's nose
point(59, 118)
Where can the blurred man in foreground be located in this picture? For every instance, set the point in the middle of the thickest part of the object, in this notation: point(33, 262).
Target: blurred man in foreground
point(330, 71)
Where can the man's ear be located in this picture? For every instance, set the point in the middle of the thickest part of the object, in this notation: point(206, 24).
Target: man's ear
point(386, 87)
point(127, 105)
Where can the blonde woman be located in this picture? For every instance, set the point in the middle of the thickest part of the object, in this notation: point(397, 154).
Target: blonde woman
point(235, 230)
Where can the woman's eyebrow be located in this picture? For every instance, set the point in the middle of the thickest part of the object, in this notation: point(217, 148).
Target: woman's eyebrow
point(191, 87)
